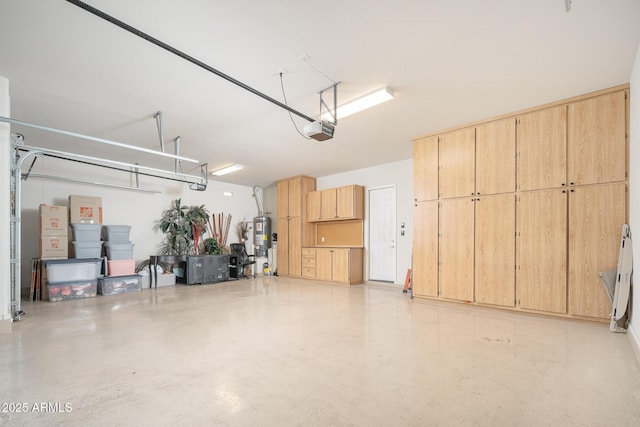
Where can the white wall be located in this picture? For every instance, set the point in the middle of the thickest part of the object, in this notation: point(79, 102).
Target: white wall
point(634, 190)
point(123, 207)
point(398, 174)
point(5, 170)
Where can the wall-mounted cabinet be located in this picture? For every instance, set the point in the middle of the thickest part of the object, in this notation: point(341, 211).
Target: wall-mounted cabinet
point(336, 204)
point(529, 207)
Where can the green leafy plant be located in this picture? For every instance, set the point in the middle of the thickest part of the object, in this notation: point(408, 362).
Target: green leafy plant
point(177, 230)
point(197, 217)
point(211, 246)
point(183, 227)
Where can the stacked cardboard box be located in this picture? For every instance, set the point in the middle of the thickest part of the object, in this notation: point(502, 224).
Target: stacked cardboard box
point(54, 229)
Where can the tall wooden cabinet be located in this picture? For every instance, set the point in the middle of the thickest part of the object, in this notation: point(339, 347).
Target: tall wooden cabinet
point(294, 231)
point(425, 249)
point(529, 207)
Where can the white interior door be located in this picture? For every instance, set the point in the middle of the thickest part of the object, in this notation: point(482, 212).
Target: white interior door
point(382, 234)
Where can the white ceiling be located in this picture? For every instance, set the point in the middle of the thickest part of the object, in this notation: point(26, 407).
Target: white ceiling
point(448, 62)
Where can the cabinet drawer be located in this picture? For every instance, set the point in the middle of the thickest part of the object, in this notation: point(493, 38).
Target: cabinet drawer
point(308, 262)
point(309, 272)
point(308, 253)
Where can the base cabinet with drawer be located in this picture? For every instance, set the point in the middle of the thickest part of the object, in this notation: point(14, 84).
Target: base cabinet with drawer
point(339, 265)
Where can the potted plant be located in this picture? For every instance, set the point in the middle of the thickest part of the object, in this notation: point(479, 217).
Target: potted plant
point(197, 217)
point(176, 228)
point(211, 246)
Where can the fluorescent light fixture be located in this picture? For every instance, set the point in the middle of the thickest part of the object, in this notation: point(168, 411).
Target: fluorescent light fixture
point(228, 194)
point(227, 169)
point(362, 103)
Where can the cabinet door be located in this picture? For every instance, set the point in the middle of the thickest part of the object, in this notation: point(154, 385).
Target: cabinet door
point(295, 246)
point(283, 199)
point(295, 197)
point(457, 163)
point(350, 202)
point(283, 246)
point(496, 157)
point(323, 264)
point(340, 265)
point(596, 216)
point(495, 258)
point(424, 269)
point(456, 249)
point(542, 250)
point(542, 149)
point(425, 168)
point(314, 203)
point(328, 203)
point(597, 143)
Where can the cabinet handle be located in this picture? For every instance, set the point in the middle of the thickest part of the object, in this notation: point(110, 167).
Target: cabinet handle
point(571, 183)
point(478, 193)
point(572, 190)
point(563, 184)
point(564, 191)
point(473, 194)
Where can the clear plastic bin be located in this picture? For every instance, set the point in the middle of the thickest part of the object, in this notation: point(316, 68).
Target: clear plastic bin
point(69, 270)
point(87, 232)
point(116, 233)
point(87, 249)
point(119, 251)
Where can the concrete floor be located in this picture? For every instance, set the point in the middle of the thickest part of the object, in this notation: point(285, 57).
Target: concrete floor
point(282, 352)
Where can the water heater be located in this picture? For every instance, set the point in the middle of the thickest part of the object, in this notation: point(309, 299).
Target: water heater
point(261, 235)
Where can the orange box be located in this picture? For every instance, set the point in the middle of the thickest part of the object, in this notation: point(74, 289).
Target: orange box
point(53, 220)
point(85, 209)
point(54, 247)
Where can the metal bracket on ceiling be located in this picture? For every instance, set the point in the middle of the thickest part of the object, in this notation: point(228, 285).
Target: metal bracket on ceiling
point(158, 117)
point(326, 109)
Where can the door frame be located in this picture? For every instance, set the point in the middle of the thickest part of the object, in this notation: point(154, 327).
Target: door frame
point(368, 225)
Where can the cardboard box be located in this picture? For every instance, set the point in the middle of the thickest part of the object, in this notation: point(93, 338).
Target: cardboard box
point(85, 209)
point(54, 247)
point(53, 221)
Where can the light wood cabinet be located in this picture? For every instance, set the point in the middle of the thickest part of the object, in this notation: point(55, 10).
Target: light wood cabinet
point(596, 216)
point(495, 218)
point(457, 163)
point(425, 168)
point(529, 207)
point(328, 204)
point(309, 263)
point(542, 149)
point(336, 204)
point(424, 263)
point(339, 265)
point(496, 157)
point(290, 246)
point(294, 231)
point(542, 250)
point(314, 206)
point(456, 247)
point(597, 139)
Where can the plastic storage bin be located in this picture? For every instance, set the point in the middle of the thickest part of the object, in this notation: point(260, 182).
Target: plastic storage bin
point(69, 270)
point(72, 290)
point(119, 285)
point(87, 249)
point(125, 267)
point(116, 233)
point(119, 251)
point(87, 232)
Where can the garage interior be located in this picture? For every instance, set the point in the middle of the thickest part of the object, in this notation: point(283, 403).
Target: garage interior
point(503, 118)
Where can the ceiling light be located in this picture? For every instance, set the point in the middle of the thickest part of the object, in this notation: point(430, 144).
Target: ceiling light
point(362, 103)
point(227, 169)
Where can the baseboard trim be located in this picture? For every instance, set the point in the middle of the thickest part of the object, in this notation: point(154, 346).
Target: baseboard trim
point(6, 326)
point(635, 342)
